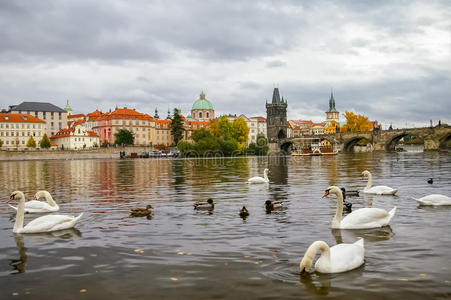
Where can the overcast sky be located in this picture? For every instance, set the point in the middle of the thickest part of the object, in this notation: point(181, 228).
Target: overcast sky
point(388, 60)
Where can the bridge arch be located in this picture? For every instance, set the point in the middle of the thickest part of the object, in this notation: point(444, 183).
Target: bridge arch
point(349, 144)
point(285, 146)
point(445, 141)
point(392, 141)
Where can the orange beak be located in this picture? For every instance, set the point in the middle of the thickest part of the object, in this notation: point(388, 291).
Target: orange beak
point(326, 193)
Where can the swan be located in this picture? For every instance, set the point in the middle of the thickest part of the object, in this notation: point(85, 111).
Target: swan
point(434, 200)
point(378, 190)
point(205, 205)
point(35, 206)
point(258, 179)
point(336, 259)
point(42, 224)
point(361, 218)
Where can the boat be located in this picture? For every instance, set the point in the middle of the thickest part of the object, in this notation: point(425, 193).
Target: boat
point(313, 147)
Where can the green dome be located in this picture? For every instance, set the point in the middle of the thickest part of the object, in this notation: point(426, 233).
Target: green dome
point(67, 107)
point(202, 103)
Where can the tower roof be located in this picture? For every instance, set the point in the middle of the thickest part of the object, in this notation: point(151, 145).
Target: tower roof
point(202, 103)
point(276, 96)
point(332, 103)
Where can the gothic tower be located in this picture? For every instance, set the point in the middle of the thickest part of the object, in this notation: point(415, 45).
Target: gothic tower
point(332, 114)
point(276, 118)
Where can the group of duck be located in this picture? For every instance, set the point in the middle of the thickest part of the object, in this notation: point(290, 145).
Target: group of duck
point(339, 258)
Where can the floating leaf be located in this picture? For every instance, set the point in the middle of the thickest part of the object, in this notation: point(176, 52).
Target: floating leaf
point(139, 250)
point(180, 253)
point(247, 256)
point(188, 253)
point(226, 264)
point(423, 275)
point(15, 294)
point(83, 290)
point(174, 278)
point(404, 279)
point(27, 293)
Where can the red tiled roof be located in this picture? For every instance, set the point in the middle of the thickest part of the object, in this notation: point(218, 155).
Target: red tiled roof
point(263, 119)
point(76, 116)
point(11, 117)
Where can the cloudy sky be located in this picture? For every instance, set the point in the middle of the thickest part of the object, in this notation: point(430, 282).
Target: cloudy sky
point(388, 60)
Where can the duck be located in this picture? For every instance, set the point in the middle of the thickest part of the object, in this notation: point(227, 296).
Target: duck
point(347, 205)
point(141, 212)
point(337, 259)
point(47, 223)
point(431, 180)
point(258, 179)
point(272, 205)
point(368, 217)
point(36, 206)
point(349, 193)
point(244, 212)
point(378, 190)
point(434, 200)
point(209, 204)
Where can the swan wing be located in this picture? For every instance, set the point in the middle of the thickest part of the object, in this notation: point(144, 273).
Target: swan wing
point(366, 218)
point(343, 257)
point(51, 223)
point(257, 179)
point(381, 190)
point(434, 199)
point(35, 206)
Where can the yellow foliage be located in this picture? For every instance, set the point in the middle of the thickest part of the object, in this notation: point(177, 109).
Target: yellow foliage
point(355, 123)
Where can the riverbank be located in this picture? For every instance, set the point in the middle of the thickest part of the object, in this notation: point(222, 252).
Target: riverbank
point(110, 152)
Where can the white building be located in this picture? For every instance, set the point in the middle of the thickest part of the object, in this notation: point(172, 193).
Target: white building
point(76, 137)
point(16, 129)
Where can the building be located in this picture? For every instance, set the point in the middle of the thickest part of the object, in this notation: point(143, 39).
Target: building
point(318, 128)
point(16, 129)
point(276, 120)
point(202, 109)
point(55, 118)
point(261, 125)
point(76, 137)
point(332, 114)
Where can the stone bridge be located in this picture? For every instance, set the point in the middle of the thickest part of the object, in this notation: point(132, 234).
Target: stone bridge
point(434, 138)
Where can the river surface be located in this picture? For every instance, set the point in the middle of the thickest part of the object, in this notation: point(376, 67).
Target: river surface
point(181, 253)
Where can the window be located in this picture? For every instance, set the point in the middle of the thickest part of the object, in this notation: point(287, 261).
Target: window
point(51, 125)
point(6, 118)
point(51, 115)
point(43, 115)
point(208, 115)
point(23, 125)
point(36, 114)
point(200, 115)
point(59, 125)
point(59, 115)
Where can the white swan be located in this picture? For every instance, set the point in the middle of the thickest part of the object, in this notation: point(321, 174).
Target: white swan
point(434, 200)
point(361, 218)
point(35, 206)
point(42, 224)
point(258, 179)
point(378, 190)
point(337, 259)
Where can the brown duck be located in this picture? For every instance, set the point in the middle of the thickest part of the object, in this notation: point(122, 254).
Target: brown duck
point(141, 212)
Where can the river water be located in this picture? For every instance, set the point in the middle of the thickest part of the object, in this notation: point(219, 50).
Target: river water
point(180, 253)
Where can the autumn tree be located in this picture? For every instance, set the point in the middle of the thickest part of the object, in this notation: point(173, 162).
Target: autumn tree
point(240, 132)
point(177, 126)
point(355, 123)
point(31, 142)
point(45, 142)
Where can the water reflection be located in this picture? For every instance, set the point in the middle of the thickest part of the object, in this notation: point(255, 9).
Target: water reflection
point(369, 235)
point(19, 264)
point(317, 289)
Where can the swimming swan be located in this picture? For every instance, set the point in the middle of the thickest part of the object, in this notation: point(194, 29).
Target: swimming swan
point(378, 190)
point(42, 224)
point(434, 200)
point(35, 206)
point(336, 259)
point(368, 217)
point(258, 179)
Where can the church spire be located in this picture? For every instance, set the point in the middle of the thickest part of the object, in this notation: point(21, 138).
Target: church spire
point(332, 103)
point(276, 96)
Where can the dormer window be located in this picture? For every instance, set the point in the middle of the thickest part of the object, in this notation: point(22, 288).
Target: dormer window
point(25, 118)
point(6, 118)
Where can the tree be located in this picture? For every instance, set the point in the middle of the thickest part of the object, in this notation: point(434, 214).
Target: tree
point(105, 144)
point(124, 137)
point(259, 148)
point(240, 132)
point(177, 126)
point(355, 123)
point(45, 142)
point(225, 128)
point(31, 142)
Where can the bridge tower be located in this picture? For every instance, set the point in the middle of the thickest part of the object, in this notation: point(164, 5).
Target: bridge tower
point(276, 118)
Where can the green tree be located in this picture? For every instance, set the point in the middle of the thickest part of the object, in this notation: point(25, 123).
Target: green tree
point(124, 137)
point(259, 148)
point(95, 145)
point(105, 144)
point(45, 142)
point(225, 128)
point(177, 126)
point(31, 142)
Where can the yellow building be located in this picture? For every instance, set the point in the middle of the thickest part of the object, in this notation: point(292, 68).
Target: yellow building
point(16, 129)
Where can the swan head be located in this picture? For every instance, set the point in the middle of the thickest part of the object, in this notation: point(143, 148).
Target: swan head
point(306, 264)
point(148, 207)
point(266, 171)
point(366, 173)
point(40, 194)
point(333, 190)
point(16, 195)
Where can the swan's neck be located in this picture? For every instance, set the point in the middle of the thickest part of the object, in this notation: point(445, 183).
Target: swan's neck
point(50, 200)
point(370, 181)
point(265, 175)
point(18, 225)
point(309, 255)
point(339, 213)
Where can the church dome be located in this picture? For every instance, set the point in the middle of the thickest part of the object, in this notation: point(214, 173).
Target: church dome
point(202, 103)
